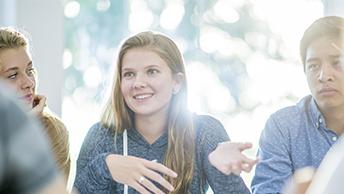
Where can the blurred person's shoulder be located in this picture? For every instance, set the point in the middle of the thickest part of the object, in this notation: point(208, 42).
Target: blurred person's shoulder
point(25, 148)
point(6, 96)
point(12, 115)
point(328, 178)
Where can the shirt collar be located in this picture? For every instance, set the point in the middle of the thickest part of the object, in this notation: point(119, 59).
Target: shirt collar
point(317, 117)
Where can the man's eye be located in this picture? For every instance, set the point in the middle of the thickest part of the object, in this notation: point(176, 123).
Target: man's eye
point(31, 71)
point(338, 63)
point(313, 66)
point(12, 76)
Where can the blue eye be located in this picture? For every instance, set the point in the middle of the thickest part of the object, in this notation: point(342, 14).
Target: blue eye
point(128, 74)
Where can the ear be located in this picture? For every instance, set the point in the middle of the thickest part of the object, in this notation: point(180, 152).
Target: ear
point(178, 81)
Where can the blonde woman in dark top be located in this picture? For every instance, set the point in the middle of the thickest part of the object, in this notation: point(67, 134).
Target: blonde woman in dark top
point(147, 141)
point(17, 69)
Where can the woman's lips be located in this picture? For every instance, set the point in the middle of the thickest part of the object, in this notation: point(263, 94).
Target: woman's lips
point(142, 96)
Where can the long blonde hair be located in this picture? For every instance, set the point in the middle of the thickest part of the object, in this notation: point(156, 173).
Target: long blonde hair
point(58, 134)
point(11, 38)
point(180, 152)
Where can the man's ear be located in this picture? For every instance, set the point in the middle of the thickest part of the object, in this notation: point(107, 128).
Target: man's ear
point(178, 81)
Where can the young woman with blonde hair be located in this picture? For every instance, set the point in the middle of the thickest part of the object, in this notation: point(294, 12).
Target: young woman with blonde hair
point(147, 141)
point(17, 69)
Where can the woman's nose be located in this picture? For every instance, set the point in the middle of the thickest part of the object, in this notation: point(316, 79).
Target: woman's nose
point(27, 82)
point(140, 82)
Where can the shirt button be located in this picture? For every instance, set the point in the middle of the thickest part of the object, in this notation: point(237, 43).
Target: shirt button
point(334, 138)
point(320, 120)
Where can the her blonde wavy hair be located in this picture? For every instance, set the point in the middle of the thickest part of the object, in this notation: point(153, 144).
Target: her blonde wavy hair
point(180, 152)
point(11, 38)
point(58, 134)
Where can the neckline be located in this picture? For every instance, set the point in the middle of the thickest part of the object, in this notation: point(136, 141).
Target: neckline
point(133, 134)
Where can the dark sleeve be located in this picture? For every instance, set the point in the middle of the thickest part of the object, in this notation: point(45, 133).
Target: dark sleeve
point(275, 166)
point(28, 160)
point(211, 133)
point(92, 173)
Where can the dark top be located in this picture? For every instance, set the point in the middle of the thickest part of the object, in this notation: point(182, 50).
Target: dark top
point(93, 176)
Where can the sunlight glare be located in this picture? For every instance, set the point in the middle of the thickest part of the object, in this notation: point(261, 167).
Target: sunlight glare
point(92, 76)
point(172, 15)
point(67, 58)
point(140, 17)
point(72, 9)
point(224, 11)
point(103, 5)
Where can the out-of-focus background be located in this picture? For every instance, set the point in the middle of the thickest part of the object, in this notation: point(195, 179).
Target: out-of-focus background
point(242, 56)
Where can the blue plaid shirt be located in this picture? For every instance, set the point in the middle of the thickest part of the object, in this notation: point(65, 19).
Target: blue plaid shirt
point(294, 137)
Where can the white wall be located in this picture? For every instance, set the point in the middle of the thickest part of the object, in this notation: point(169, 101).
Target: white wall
point(334, 7)
point(7, 12)
point(43, 20)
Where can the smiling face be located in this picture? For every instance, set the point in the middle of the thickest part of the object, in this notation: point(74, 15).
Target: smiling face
point(147, 83)
point(324, 67)
point(17, 70)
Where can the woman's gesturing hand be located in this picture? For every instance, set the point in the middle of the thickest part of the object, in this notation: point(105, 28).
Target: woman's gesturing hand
point(139, 173)
point(227, 158)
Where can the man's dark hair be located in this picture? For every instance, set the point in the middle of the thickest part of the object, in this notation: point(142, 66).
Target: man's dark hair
point(331, 26)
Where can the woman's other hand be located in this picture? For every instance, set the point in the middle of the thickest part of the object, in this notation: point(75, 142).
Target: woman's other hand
point(39, 103)
point(228, 158)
